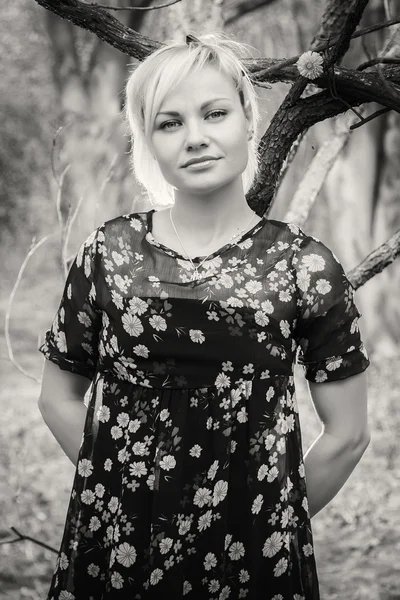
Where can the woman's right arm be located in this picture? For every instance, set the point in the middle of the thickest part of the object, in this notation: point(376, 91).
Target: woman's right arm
point(62, 408)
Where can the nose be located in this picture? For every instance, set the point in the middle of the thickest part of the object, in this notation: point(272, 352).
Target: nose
point(195, 136)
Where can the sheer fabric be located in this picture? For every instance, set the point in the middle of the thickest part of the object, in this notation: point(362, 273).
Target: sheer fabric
point(190, 478)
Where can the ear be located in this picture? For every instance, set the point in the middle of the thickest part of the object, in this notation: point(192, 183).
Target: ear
point(248, 113)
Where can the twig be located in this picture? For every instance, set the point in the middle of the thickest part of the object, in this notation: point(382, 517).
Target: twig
point(20, 538)
point(9, 307)
point(364, 120)
point(95, 5)
point(59, 194)
point(377, 61)
point(67, 232)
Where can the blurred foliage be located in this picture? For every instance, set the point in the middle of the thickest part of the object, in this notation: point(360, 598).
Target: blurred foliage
point(28, 106)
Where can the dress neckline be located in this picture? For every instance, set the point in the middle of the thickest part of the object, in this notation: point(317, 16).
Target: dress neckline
point(224, 248)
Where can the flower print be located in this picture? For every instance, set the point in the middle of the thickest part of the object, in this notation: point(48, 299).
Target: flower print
point(132, 324)
point(261, 318)
point(253, 286)
point(270, 393)
point(225, 280)
point(287, 514)
point(184, 527)
point(220, 491)
point(84, 319)
point(304, 504)
point(224, 593)
point(334, 363)
point(137, 306)
point(202, 497)
point(94, 524)
point(88, 497)
point(150, 481)
point(212, 315)
point(168, 462)
point(139, 448)
point(262, 472)
point(285, 296)
point(187, 587)
point(158, 323)
point(281, 445)
point(141, 350)
point(123, 419)
point(243, 593)
point(156, 576)
point(61, 342)
point(164, 414)
point(285, 328)
point(222, 381)
point(64, 595)
point(354, 326)
point(63, 561)
point(137, 469)
point(320, 376)
point(126, 554)
point(323, 286)
point(308, 550)
point(205, 521)
point(210, 561)
point(236, 551)
point(281, 265)
point(134, 426)
point(166, 545)
point(313, 262)
point(273, 544)
point(244, 576)
point(117, 581)
point(212, 471)
point(310, 64)
point(116, 432)
point(213, 586)
point(85, 467)
point(277, 597)
point(269, 441)
point(280, 567)
point(107, 463)
point(257, 504)
point(242, 415)
point(103, 414)
point(235, 302)
point(197, 336)
point(113, 504)
point(195, 451)
point(303, 279)
point(272, 474)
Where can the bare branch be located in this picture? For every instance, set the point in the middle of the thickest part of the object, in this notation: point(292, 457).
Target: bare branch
point(242, 7)
point(21, 537)
point(10, 304)
point(376, 261)
point(132, 7)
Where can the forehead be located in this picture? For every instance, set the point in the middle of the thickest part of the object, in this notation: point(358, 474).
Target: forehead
point(200, 86)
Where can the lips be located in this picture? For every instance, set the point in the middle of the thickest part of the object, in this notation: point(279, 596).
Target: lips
point(193, 161)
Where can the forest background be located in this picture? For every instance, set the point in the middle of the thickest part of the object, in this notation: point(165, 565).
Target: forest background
point(64, 145)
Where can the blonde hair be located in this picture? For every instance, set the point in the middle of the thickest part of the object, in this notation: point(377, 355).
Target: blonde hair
point(159, 73)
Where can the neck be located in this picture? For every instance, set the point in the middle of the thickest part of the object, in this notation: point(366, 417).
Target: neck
point(210, 217)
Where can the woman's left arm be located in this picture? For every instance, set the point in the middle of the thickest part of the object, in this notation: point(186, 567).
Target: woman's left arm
point(342, 408)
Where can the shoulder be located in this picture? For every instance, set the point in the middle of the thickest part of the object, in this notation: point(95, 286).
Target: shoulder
point(129, 222)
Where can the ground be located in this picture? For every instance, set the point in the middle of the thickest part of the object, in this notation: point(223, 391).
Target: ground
point(357, 536)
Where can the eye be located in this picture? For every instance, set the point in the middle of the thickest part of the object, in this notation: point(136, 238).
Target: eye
point(217, 112)
point(164, 125)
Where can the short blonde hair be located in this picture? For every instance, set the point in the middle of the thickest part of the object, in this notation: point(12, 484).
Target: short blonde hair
point(160, 72)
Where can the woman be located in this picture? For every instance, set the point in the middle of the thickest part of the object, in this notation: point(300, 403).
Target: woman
point(190, 478)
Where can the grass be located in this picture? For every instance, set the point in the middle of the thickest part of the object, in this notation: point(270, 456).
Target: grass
point(357, 536)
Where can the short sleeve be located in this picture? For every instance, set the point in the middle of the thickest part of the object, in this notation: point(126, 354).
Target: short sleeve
point(326, 331)
point(72, 340)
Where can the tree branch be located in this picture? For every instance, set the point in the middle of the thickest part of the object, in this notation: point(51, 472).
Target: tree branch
point(376, 261)
point(242, 7)
point(106, 6)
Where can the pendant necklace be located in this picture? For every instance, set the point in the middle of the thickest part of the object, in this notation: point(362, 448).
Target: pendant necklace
point(195, 274)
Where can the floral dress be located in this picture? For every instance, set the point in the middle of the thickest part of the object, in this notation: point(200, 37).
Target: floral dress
point(190, 479)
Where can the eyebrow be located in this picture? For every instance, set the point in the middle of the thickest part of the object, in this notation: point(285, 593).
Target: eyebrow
point(204, 105)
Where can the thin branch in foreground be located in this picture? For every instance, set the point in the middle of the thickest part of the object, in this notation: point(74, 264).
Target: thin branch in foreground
point(21, 537)
point(10, 304)
point(95, 5)
point(376, 261)
point(378, 113)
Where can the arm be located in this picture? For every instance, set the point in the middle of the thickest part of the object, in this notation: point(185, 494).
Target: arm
point(342, 408)
point(62, 408)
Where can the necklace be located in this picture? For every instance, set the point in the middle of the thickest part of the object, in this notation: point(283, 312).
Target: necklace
point(195, 274)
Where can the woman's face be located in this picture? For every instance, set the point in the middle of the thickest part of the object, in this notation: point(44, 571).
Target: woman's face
point(200, 117)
